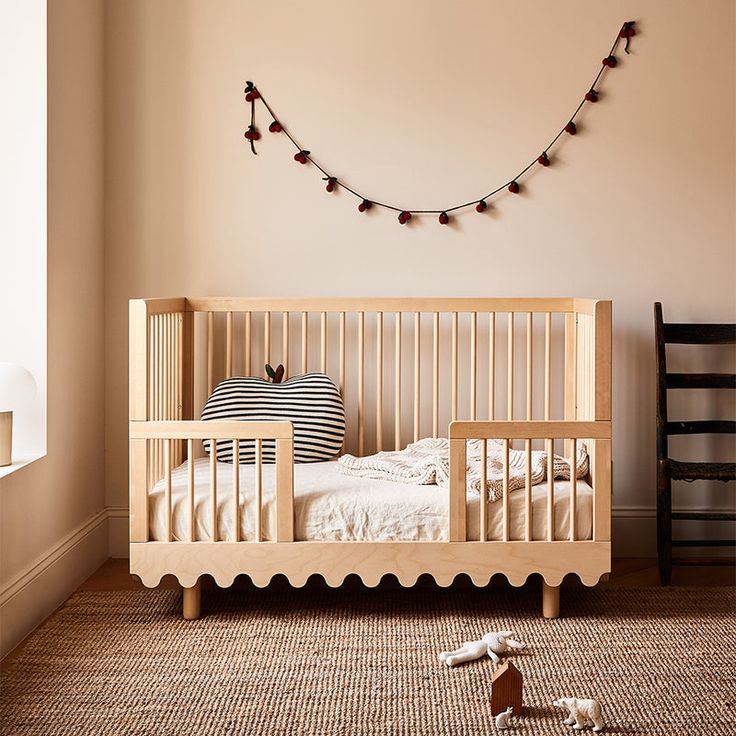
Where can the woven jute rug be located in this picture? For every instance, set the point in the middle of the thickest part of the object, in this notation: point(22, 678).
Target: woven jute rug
point(358, 661)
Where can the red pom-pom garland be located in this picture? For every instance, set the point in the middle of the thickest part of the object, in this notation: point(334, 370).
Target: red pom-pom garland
point(444, 216)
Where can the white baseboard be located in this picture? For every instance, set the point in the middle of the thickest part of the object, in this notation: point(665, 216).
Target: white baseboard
point(49, 580)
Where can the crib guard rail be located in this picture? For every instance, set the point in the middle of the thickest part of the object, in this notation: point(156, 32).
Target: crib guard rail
point(595, 434)
point(168, 438)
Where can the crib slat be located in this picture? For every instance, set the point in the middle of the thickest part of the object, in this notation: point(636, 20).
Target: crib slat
point(167, 491)
point(483, 490)
point(361, 383)
point(236, 490)
point(529, 530)
point(190, 489)
point(506, 524)
point(323, 342)
point(379, 381)
point(305, 341)
point(491, 366)
point(180, 372)
point(417, 371)
point(454, 366)
point(213, 489)
point(550, 490)
point(547, 365)
point(285, 343)
point(436, 375)
point(510, 375)
point(229, 345)
point(573, 487)
point(258, 511)
point(342, 355)
point(529, 364)
point(247, 365)
point(267, 337)
point(284, 495)
point(397, 382)
point(457, 531)
point(473, 362)
point(210, 351)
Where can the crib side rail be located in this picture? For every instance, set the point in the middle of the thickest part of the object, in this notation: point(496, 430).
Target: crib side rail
point(568, 434)
point(166, 433)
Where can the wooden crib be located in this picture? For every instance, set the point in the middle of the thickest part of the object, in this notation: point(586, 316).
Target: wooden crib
point(531, 372)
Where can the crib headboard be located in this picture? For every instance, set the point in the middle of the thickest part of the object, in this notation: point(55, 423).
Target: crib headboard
point(406, 367)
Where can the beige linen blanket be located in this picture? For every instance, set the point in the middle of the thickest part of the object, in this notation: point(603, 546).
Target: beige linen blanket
point(428, 461)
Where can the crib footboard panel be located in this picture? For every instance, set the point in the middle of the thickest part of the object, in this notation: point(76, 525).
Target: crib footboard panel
point(370, 560)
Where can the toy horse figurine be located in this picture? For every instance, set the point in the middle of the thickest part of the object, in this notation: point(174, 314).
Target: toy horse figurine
point(494, 644)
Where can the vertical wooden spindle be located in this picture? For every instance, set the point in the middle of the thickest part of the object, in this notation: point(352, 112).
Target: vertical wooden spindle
point(361, 383)
point(305, 341)
point(506, 521)
point(342, 354)
point(167, 492)
point(323, 342)
point(285, 343)
point(473, 363)
point(213, 489)
point(229, 345)
point(267, 337)
point(379, 381)
point(454, 366)
point(483, 490)
point(259, 491)
point(529, 365)
point(417, 372)
point(247, 345)
point(550, 490)
point(547, 365)
point(491, 366)
point(210, 351)
point(573, 487)
point(510, 376)
point(397, 382)
point(190, 490)
point(529, 530)
point(236, 490)
point(436, 375)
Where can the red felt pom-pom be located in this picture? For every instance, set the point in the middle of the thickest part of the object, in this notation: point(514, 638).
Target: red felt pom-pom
point(543, 159)
point(628, 30)
point(331, 184)
point(252, 133)
point(301, 157)
point(444, 218)
point(514, 187)
point(571, 128)
point(404, 217)
point(251, 95)
point(482, 206)
point(275, 127)
point(364, 205)
point(610, 61)
point(591, 96)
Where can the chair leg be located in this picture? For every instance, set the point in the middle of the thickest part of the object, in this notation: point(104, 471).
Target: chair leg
point(192, 601)
point(664, 524)
point(550, 600)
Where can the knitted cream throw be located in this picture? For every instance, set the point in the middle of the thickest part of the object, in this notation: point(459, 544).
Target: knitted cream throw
point(428, 461)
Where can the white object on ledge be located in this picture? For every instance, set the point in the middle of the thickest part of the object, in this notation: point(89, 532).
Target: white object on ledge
point(494, 644)
point(502, 719)
point(17, 393)
point(583, 712)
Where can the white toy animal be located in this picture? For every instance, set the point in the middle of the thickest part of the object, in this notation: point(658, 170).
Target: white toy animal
point(502, 719)
point(583, 712)
point(494, 644)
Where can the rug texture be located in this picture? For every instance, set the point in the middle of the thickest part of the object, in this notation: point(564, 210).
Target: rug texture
point(282, 661)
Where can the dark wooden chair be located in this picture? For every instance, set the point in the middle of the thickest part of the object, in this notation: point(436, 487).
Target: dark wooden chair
point(669, 469)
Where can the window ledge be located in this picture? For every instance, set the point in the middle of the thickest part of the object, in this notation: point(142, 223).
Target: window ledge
point(21, 462)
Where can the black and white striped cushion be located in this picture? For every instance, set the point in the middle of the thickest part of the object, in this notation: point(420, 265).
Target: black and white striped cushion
point(311, 402)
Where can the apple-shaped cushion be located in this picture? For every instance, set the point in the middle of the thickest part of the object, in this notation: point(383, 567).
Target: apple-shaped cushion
point(312, 402)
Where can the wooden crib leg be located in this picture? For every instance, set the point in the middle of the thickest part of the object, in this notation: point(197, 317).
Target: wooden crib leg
point(192, 601)
point(550, 600)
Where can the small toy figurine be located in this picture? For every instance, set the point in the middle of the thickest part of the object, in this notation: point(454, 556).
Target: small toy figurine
point(494, 644)
point(502, 719)
point(583, 712)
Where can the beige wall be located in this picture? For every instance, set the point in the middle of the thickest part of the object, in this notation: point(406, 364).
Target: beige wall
point(417, 102)
point(52, 523)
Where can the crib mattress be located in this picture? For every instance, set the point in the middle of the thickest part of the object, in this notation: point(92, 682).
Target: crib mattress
point(330, 506)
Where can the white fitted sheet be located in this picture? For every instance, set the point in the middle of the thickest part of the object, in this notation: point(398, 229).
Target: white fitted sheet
point(330, 506)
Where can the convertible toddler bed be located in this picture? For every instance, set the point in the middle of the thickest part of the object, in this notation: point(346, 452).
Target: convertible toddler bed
point(522, 383)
